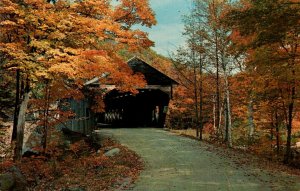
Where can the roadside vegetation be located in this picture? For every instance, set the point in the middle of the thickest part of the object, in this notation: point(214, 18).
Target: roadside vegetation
point(239, 77)
point(73, 163)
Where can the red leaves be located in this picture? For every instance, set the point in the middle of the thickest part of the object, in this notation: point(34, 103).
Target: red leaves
point(86, 168)
point(133, 12)
point(89, 53)
point(72, 44)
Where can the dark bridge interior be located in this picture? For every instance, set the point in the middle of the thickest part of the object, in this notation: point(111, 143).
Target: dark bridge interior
point(148, 108)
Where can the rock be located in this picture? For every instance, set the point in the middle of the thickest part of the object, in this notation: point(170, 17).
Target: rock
point(95, 140)
point(7, 182)
point(32, 138)
point(13, 180)
point(99, 152)
point(31, 153)
point(20, 180)
point(74, 189)
point(67, 144)
point(123, 184)
point(108, 149)
point(98, 137)
point(112, 152)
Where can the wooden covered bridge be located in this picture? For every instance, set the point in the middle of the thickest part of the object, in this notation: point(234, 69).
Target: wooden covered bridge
point(148, 108)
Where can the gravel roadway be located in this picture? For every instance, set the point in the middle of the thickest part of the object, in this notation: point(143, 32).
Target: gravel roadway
point(178, 163)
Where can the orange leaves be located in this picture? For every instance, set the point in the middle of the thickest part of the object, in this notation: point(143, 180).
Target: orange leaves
point(14, 50)
point(72, 43)
point(92, 8)
point(41, 45)
point(8, 7)
point(7, 23)
point(85, 169)
point(38, 4)
point(89, 53)
point(99, 104)
point(56, 35)
point(237, 38)
point(64, 69)
point(132, 12)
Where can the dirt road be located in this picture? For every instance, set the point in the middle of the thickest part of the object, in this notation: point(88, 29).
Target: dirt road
point(178, 164)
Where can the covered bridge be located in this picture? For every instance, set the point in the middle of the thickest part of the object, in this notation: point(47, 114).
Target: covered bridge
point(148, 108)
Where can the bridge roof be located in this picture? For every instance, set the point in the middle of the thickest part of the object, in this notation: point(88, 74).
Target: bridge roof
point(152, 75)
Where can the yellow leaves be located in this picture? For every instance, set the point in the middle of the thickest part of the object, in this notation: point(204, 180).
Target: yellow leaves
point(55, 53)
point(65, 24)
point(13, 50)
point(7, 23)
point(8, 7)
point(41, 45)
point(72, 43)
point(43, 27)
point(43, 74)
point(31, 19)
point(71, 51)
point(21, 21)
point(64, 69)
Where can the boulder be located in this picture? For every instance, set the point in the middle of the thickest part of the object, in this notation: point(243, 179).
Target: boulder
point(67, 144)
point(20, 180)
point(7, 182)
point(12, 180)
point(74, 189)
point(112, 152)
point(32, 138)
point(31, 153)
point(97, 138)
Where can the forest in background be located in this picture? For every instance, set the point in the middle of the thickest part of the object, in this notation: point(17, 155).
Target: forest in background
point(239, 76)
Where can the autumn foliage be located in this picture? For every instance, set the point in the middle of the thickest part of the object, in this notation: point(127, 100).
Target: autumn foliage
point(248, 52)
point(78, 165)
point(73, 42)
point(50, 49)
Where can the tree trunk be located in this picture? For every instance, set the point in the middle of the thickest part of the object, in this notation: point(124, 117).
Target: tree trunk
point(20, 128)
point(228, 111)
point(214, 113)
point(225, 120)
point(195, 93)
point(250, 120)
point(277, 133)
point(217, 88)
point(46, 113)
point(221, 133)
point(291, 105)
point(216, 42)
point(17, 105)
point(288, 153)
point(201, 100)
